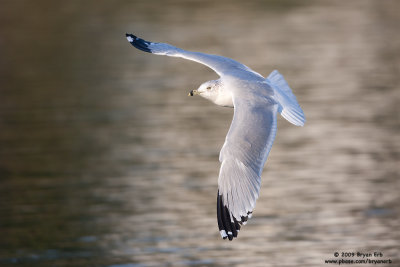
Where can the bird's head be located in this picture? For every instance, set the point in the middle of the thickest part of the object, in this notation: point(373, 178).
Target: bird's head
point(208, 90)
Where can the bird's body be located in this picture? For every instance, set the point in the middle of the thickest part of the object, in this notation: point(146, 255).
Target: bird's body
point(256, 101)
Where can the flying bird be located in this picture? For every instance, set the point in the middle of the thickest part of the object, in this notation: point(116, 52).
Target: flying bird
point(256, 101)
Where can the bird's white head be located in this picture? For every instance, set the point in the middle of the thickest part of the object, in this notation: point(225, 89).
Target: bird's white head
point(213, 91)
point(207, 90)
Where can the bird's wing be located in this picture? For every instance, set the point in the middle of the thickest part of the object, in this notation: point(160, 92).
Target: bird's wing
point(221, 65)
point(242, 158)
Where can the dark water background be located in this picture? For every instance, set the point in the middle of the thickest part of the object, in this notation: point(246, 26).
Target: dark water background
point(105, 161)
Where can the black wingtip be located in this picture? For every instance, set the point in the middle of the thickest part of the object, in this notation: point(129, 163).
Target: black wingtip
point(130, 35)
point(138, 43)
point(227, 228)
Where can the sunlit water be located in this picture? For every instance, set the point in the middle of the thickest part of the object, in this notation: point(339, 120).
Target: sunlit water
point(105, 161)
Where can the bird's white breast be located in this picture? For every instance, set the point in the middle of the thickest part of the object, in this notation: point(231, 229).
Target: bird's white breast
point(224, 98)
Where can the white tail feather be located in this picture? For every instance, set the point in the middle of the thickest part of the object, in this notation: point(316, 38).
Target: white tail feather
point(288, 106)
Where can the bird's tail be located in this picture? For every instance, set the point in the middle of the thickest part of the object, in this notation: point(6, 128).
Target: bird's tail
point(288, 106)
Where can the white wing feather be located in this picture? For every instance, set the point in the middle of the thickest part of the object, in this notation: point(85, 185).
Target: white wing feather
point(244, 153)
point(221, 65)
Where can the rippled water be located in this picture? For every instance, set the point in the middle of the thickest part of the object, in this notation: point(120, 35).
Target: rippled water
point(105, 161)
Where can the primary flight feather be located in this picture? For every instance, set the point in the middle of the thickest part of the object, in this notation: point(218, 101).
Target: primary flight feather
point(256, 101)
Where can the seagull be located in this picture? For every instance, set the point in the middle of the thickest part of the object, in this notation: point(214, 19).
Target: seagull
point(256, 101)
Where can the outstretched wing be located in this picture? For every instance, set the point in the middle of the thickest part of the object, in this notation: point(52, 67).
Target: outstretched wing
point(221, 65)
point(242, 158)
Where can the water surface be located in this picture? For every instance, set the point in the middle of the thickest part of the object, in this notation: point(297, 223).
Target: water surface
point(105, 161)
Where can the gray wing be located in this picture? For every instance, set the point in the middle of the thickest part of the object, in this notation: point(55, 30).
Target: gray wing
point(221, 65)
point(242, 158)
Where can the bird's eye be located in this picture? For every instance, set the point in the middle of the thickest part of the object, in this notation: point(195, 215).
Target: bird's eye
point(209, 88)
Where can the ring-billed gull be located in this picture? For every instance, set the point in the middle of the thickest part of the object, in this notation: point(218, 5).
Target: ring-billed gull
point(256, 101)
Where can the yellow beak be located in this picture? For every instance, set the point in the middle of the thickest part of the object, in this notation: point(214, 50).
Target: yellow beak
point(193, 92)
